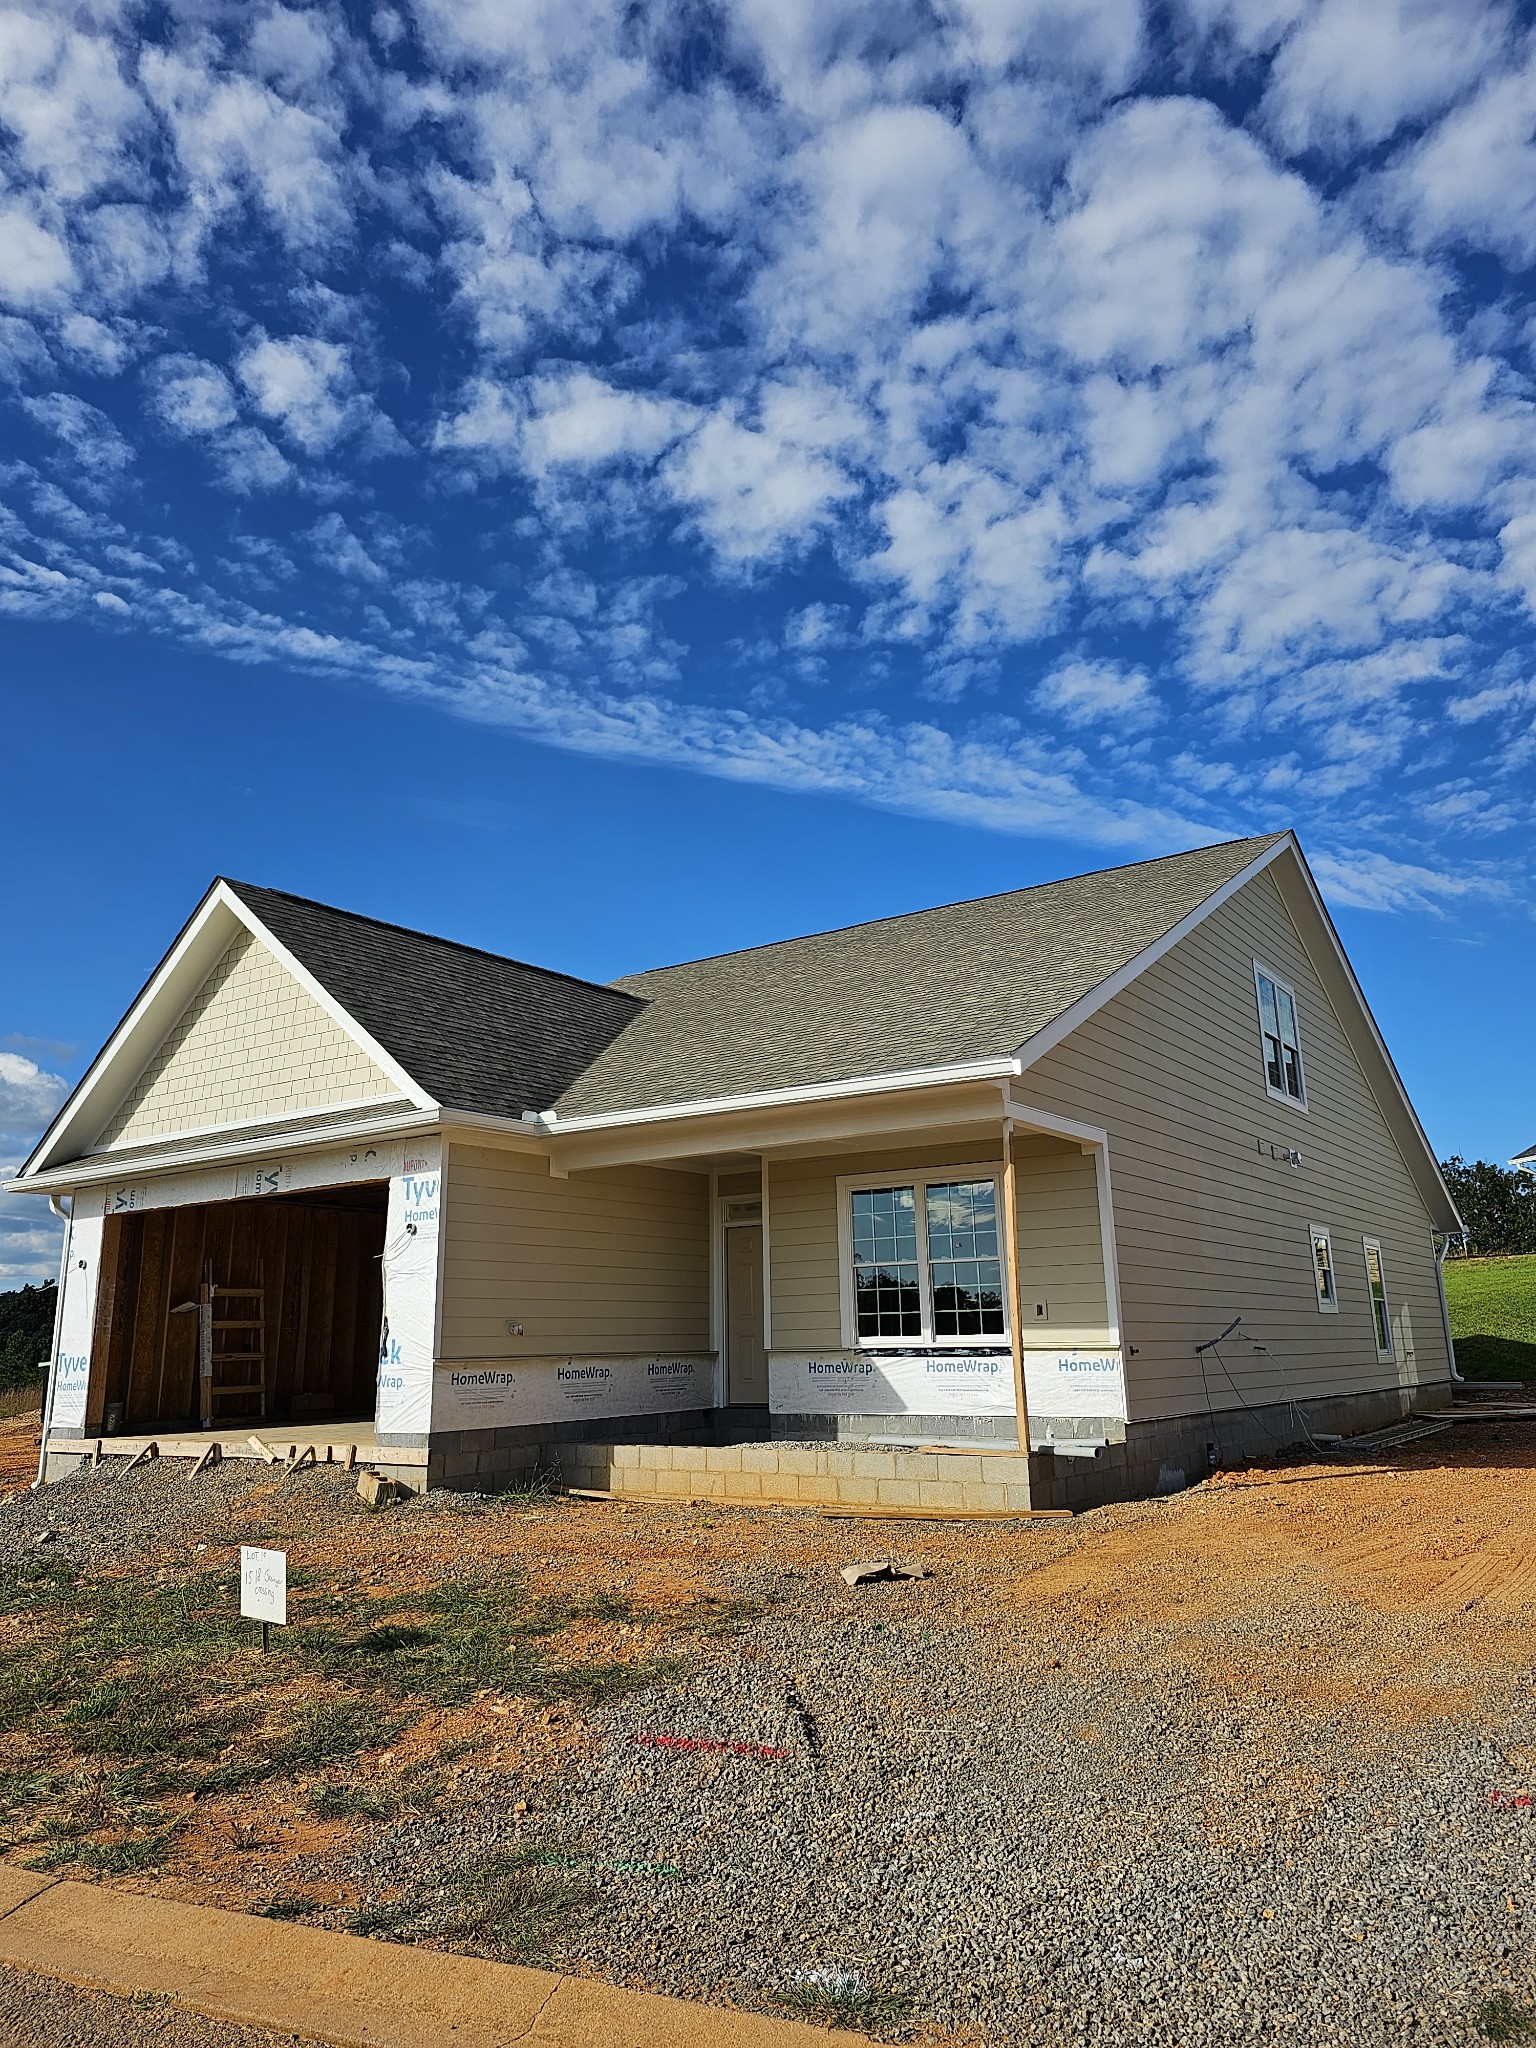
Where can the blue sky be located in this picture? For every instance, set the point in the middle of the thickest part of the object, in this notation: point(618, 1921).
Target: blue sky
point(613, 482)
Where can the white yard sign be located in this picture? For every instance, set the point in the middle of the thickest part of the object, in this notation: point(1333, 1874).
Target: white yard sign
point(264, 1585)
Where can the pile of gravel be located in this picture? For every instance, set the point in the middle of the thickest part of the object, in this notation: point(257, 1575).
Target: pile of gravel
point(107, 1517)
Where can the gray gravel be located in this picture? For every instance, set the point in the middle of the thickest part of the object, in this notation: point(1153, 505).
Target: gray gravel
point(1022, 1847)
point(36, 2012)
point(108, 1516)
point(1024, 1832)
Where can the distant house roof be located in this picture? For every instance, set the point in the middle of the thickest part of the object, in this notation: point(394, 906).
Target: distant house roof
point(477, 1031)
point(1528, 1156)
point(929, 989)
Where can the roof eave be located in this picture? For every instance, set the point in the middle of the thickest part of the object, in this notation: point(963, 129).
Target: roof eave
point(993, 1068)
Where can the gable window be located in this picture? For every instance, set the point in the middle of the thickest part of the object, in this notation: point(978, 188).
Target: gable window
point(1381, 1313)
point(922, 1260)
point(1280, 1036)
point(1322, 1270)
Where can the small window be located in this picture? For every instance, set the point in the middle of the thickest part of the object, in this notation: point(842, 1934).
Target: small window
point(1322, 1270)
point(1381, 1313)
point(1281, 1038)
point(926, 1260)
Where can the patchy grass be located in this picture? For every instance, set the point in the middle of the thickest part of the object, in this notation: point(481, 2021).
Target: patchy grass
point(841, 1998)
point(1493, 1316)
point(1502, 2018)
point(120, 1696)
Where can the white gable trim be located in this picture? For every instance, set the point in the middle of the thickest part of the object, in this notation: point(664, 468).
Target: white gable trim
point(1047, 1039)
point(198, 947)
point(1087, 1006)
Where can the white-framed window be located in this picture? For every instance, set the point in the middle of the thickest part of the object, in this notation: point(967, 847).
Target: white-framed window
point(1280, 1036)
point(1323, 1275)
point(921, 1255)
point(1381, 1312)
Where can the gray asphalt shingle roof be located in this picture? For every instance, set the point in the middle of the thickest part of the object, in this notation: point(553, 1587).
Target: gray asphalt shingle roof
point(962, 982)
point(477, 1031)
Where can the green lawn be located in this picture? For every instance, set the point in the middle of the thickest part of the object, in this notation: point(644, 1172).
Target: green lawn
point(1493, 1316)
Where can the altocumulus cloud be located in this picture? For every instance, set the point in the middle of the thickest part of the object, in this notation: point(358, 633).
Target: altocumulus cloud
point(1085, 418)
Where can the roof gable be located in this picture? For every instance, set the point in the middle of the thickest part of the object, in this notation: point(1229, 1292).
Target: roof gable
point(252, 1046)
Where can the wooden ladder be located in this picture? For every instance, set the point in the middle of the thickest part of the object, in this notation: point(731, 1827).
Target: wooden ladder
point(231, 1345)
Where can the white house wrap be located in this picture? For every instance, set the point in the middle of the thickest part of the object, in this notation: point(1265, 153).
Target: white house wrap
point(410, 1266)
point(879, 1383)
point(498, 1395)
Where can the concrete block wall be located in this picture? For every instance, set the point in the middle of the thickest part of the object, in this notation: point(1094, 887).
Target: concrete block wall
point(773, 1474)
point(1165, 1457)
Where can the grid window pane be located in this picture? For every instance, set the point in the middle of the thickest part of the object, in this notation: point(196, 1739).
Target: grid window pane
point(964, 1269)
point(887, 1297)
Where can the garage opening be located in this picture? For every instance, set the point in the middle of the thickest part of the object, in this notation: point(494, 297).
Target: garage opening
point(241, 1312)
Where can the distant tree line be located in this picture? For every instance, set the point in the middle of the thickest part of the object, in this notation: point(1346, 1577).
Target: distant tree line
point(1497, 1204)
point(26, 1333)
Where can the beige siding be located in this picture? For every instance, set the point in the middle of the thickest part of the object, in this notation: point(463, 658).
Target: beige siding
point(1208, 1225)
point(1060, 1258)
point(251, 1045)
point(607, 1262)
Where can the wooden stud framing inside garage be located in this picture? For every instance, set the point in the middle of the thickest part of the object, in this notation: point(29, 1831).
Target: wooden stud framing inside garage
point(318, 1261)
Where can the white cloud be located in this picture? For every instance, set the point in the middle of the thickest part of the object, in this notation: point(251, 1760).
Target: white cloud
point(306, 385)
point(1367, 880)
point(192, 396)
point(1473, 177)
point(37, 271)
point(1353, 71)
point(1098, 692)
point(29, 1095)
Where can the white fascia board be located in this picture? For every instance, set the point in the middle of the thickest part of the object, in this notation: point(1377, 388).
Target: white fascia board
point(1050, 1036)
point(1379, 1043)
point(771, 1098)
point(97, 1169)
point(205, 935)
point(174, 982)
point(363, 1108)
point(520, 1134)
point(411, 1089)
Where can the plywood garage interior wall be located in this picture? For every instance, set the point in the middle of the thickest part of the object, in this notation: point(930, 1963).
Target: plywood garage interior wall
point(317, 1258)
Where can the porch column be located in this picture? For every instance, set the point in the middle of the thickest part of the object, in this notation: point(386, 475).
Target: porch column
point(411, 1268)
point(1015, 1299)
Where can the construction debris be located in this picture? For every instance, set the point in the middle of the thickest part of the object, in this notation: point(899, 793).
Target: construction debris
point(378, 1492)
point(883, 1568)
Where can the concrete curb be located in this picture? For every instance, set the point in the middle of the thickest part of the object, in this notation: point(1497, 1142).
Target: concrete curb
point(342, 1989)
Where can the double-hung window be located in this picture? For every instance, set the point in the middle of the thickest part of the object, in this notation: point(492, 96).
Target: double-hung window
point(1322, 1270)
point(1280, 1037)
point(1381, 1313)
point(922, 1258)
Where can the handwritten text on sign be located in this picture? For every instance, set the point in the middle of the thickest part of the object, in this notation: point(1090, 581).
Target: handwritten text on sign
point(264, 1585)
